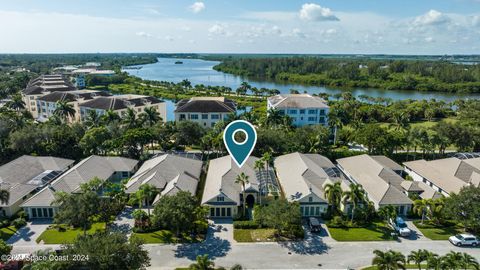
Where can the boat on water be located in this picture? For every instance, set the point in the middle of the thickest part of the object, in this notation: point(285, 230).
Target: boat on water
point(178, 63)
point(133, 67)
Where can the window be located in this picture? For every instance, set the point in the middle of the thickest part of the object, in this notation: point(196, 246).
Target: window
point(322, 112)
point(317, 211)
point(223, 212)
point(310, 199)
point(194, 116)
point(212, 212)
point(182, 116)
point(204, 116)
point(215, 116)
point(212, 124)
point(45, 212)
point(124, 174)
point(34, 212)
point(302, 111)
point(220, 199)
point(312, 111)
point(217, 212)
point(229, 212)
point(312, 119)
point(281, 112)
point(39, 212)
point(50, 212)
point(322, 119)
point(292, 111)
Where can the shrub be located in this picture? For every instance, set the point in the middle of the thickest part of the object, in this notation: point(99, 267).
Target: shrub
point(19, 222)
point(247, 224)
point(5, 223)
point(336, 222)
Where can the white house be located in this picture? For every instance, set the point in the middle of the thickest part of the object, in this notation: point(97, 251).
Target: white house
point(206, 111)
point(304, 109)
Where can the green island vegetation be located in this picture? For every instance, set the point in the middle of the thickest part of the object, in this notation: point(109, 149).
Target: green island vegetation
point(390, 74)
point(422, 259)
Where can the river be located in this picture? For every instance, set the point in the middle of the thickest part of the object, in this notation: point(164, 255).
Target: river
point(201, 72)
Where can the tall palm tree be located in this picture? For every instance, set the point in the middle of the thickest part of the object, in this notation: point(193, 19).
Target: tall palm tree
point(147, 193)
point(433, 261)
point(334, 193)
point(418, 257)
point(274, 118)
point(242, 179)
point(355, 196)
point(203, 263)
point(16, 103)
point(469, 262)
point(259, 165)
point(420, 207)
point(93, 119)
point(64, 110)
point(110, 116)
point(150, 116)
point(267, 159)
point(130, 118)
point(452, 260)
point(390, 260)
point(4, 196)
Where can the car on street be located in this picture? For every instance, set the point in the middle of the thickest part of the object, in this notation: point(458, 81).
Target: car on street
point(401, 227)
point(464, 240)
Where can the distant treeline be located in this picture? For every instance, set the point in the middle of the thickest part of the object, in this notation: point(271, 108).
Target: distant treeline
point(441, 76)
point(43, 63)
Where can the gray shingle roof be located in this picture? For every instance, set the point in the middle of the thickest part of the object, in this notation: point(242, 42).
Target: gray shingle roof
point(297, 101)
point(119, 102)
point(17, 176)
point(70, 96)
point(169, 173)
point(221, 176)
point(302, 174)
point(206, 105)
point(82, 172)
point(381, 183)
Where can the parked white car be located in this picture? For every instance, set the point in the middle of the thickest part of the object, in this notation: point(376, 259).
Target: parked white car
point(464, 240)
point(401, 227)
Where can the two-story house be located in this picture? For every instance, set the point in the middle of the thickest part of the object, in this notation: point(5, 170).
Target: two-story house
point(303, 109)
point(206, 111)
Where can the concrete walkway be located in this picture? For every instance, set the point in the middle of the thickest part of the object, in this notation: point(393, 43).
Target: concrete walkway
point(28, 234)
point(124, 222)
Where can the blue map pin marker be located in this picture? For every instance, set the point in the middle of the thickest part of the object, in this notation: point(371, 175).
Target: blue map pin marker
point(240, 151)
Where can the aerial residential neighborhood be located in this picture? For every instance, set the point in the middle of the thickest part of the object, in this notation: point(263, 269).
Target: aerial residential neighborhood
point(210, 135)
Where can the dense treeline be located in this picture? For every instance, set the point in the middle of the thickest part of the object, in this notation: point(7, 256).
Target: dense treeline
point(365, 73)
point(43, 63)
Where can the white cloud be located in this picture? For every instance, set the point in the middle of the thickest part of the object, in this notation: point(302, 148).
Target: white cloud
point(331, 31)
point(197, 7)
point(314, 12)
point(299, 33)
point(432, 17)
point(429, 39)
point(217, 29)
point(144, 34)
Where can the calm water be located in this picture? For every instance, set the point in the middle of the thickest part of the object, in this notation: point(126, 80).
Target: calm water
point(201, 72)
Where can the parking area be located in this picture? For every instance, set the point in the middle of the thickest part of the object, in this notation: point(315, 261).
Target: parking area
point(28, 234)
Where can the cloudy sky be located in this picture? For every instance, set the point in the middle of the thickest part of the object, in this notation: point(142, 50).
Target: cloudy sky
point(241, 26)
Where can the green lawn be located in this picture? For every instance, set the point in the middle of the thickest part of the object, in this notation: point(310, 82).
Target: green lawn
point(377, 231)
point(54, 236)
point(164, 237)
point(7, 232)
point(438, 233)
point(254, 235)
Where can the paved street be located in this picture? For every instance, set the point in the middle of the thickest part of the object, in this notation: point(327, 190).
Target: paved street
point(315, 252)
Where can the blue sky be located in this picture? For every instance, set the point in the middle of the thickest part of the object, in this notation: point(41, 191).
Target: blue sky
point(241, 26)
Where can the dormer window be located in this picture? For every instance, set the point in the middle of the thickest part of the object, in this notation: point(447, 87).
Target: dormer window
point(220, 199)
point(310, 199)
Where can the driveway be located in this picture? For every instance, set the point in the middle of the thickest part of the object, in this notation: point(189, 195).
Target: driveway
point(27, 235)
point(124, 222)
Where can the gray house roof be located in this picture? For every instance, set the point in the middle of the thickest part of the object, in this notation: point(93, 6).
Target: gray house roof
point(82, 172)
point(206, 105)
point(382, 184)
point(27, 173)
point(297, 101)
point(169, 173)
point(221, 176)
point(302, 174)
point(450, 174)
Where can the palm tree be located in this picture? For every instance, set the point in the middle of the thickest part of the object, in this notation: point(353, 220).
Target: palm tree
point(150, 116)
point(335, 122)
point(355, 196)
point(267, 158)
point(16, 103)
point(64, 110)
point(259, 165)
point(421, 208)
point(390, 260)
point(130, 118)
point(274, 118)
point(433, 261)
point(468, 261)
point(110, 116)
point(93, 119)
point(334, 193)
point(4, 196)
point(203, 263)
point(452, 260)
point(387, 212)
point(147, 193)
point(418, 257)
point(242, 179)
